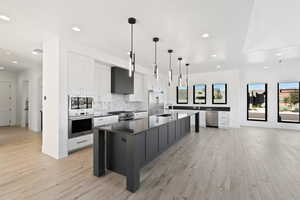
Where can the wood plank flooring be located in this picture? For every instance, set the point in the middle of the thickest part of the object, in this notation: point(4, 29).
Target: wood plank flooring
point(216, 164)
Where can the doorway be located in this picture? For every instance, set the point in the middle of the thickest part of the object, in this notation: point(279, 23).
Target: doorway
point(25, 104)
point(5, 103)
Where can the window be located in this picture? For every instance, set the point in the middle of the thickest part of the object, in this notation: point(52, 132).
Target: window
point(288, 102)
point(199, 94)
point(182, 95)
point(257, 102)
point(219, 93)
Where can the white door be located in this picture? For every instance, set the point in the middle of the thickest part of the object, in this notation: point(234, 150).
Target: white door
point(5, 103)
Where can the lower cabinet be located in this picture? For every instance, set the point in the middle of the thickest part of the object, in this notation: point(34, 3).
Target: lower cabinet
point(171, 133)
point(163, 138)
point(151, 144)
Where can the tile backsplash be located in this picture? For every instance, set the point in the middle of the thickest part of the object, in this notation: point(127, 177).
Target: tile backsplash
point(118, 103)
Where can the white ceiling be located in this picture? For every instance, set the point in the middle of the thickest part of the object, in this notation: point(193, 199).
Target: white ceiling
point(179, 24)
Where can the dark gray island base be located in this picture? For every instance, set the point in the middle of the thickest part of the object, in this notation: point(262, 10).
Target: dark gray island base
point(126, 147)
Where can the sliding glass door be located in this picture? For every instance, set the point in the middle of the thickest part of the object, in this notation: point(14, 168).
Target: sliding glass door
point(257, 102)
point(288, 102)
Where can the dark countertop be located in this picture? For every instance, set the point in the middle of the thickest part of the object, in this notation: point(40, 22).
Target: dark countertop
point(203, 108)
point(133, 127)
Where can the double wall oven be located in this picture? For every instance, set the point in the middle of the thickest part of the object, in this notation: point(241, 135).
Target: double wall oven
point(80, 116)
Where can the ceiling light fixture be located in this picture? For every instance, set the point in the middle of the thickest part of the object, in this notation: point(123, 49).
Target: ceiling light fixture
point(213, 55)
point(131, 70)
point(187, 74)
point(5, 18)
point(15, 62)
point(180, 74)
point(279, 54)
point(37, 51)
point(170, 51)
point(205, 35)
point(155, 40)
point(76, 29)
point(266, 67)
point(219, 66)
point(2, 68)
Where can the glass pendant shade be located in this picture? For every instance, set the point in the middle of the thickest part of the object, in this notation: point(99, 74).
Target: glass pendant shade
point(170, 72)
point(155, 72)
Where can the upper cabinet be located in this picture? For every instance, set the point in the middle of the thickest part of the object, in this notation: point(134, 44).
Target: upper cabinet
point(140, 93)
point(81, 71)
point(102, 82)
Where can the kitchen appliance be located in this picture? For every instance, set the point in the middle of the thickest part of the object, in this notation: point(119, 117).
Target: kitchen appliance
point(212, 119)
point(121, 83)
point(123, 115)
point(80, 106)
point(80, 125)
point(155, 102)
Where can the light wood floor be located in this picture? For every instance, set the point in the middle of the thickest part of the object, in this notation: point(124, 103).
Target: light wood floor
point(234, 164)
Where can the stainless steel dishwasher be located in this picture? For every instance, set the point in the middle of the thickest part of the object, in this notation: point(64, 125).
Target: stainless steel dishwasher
point(212, 119)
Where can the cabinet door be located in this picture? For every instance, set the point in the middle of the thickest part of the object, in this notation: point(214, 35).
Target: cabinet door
point(151, 144)
point(102, 82)
point(89, 76)
point(163, 138)
point(171, 133)
point(75, 72)
point(182, 127)
point(178, 130)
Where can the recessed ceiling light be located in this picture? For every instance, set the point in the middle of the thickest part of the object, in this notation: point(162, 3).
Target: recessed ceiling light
point(278, 54)
point(219, 66)
point(213, 55)
point(7, 52)
point(37, 51)
point(76, 29)
point(4, 18)
point(2, 68)
point(15, 62)
point(266, 67)
point(205, 35)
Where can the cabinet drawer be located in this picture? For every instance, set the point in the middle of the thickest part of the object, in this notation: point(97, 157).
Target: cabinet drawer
point(80, 142)
point(100, 121)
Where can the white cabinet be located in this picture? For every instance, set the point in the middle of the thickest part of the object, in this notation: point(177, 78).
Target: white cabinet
point(80, 142)
point(100, 121)
point(223, 119)
point(139, 88)
point(140, 115)
point(202, 118)
point(80, 75)
point(102, 77)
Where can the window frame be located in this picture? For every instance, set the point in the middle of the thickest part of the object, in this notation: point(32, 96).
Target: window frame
point(213, 90)
point(194, 102)
point(278, 115)
point(187, 95)
point(266, 103)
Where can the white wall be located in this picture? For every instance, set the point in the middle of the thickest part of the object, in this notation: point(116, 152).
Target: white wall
point(34, 78)
point(12, 78)
point(231, 77)
point(281, 73)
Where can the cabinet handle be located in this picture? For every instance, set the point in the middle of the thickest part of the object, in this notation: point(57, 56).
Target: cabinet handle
point(82, 141)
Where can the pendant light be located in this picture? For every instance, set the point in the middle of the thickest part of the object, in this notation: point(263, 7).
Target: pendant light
point(187, 74)
point(155, 40)
point(131, 70)
point(180, 73)
point(170, 51)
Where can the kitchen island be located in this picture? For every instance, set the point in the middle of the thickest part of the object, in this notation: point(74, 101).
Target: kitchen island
point(125, 147)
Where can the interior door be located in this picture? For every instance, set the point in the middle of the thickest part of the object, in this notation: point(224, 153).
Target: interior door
point(5, 103)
